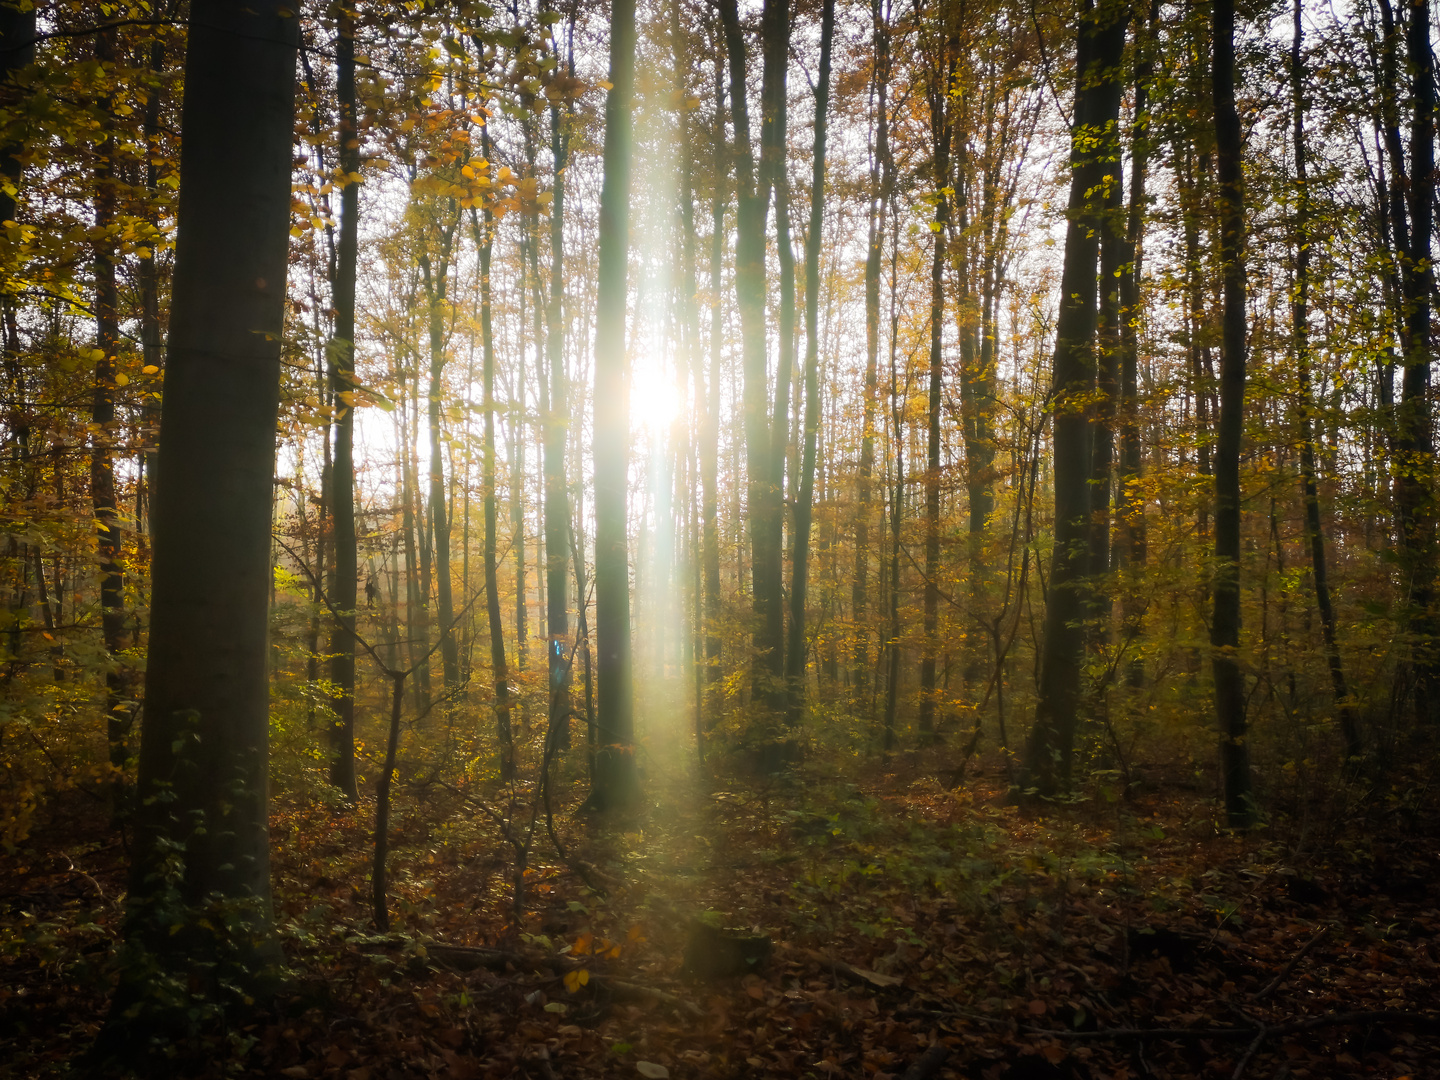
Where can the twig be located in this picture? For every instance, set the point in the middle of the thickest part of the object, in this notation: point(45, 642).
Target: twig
point(1260, 1037)
point(1274, 983)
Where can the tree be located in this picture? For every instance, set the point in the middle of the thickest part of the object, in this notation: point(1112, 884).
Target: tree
point(1225, 623)
point(800, 561)
point(615, 782)
point(201, 819)
point(1100, 40)
point(342, 386)
point(938, 94)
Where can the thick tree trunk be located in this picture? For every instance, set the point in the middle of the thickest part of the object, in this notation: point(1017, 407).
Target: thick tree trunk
point(616, 782)
point(1049, 752)
point(342, 386)
point(800, 562)
point(204, 752)
point(1225, 623)
point(752, 190)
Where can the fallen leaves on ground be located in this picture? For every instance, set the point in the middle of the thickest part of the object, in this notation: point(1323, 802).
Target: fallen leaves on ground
point(1033, 944)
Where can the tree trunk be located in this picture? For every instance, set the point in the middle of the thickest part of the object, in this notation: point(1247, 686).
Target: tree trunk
point(881, 180)
point(204, 745)
point(940, 133)
point(1300, 328)
point(1414, 445)
point(710, 429)
point(342, 386)
point(616, 782)
point(119, 710)
point(437, 280)
point(1225, 623)
point(752, 192)
point(1130, 504)
point(484, 244)
point(800, 561)
point(1049, 752)
point(557, 494)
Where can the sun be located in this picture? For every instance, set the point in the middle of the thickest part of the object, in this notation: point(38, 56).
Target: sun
point(654, 399)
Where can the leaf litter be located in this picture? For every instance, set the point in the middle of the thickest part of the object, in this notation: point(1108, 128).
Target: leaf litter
point(910, 930)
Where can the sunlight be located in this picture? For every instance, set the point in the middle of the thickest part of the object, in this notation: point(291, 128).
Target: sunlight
point(654, 400)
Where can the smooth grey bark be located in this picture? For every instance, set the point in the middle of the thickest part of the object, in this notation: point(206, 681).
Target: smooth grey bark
point(204, 743)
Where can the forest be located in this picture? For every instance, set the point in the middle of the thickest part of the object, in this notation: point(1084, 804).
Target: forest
point(891, 539)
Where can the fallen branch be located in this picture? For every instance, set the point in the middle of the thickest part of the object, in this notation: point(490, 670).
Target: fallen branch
point(1274, 984)
point(624, 989)
point(854, 974)
point(1340, 1019)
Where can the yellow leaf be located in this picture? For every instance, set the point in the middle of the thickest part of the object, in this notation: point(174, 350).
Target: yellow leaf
point(576, 979)
point(121, 379)
point(605, 84)
point(149, 369)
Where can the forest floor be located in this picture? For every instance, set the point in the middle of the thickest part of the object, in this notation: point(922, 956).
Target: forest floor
point(912, 931)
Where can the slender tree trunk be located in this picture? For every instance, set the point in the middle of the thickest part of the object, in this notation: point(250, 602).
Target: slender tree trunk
point(1049, 752)
point(484, 244)
point(800, 561)
point(1414, 443)
point(616, 782)
point(1130, 506)
point(119, 678)
point(897, 510)
point(517, 490)
point(940, 133)
point(881, 180)
point(557, 493)
point(342, 386)
point(207, 717)
point(148, 279)
point(1225, 623)
point(710, 430)
point(1300, 324)
point(437, 280)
